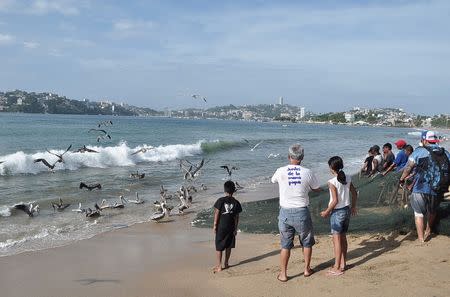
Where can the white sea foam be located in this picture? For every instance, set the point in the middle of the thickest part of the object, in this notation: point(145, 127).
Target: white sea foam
point(11, 242)
point(5, 211)
point(120, 155)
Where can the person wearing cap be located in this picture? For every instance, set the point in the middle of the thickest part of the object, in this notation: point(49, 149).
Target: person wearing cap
point(400, 160)
point(294, 183)
point(424, 200)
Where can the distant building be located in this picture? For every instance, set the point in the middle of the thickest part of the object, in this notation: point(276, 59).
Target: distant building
point(302, 112)
point(281, 101)
point(247, 115)
point(19, 101)
point(113, 108)
point(167, 112)
point(349, 117)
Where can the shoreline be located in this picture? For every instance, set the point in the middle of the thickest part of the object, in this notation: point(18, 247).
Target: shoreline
point(175, 259)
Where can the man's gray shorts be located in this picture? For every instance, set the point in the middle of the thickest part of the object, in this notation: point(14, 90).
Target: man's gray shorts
point(292, 220)
point(424, 203)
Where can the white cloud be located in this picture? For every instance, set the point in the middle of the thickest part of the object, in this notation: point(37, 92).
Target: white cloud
point(6, 39)
point(30, 44)
point(128, 28)
point(65, 7)
point(73, 42)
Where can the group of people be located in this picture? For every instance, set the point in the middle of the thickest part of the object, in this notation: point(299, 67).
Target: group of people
point(385, 162)
point(427, 163)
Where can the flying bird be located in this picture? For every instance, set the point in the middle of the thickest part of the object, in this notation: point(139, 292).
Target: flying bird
point(229, 169)
point(60, 156)
point(46, 163)
point(60, 206)
point(102, 134)
point(197, 96)
point(104, 123)
point(90, 187)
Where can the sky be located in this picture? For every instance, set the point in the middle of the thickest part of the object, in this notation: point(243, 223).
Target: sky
point(323, 55)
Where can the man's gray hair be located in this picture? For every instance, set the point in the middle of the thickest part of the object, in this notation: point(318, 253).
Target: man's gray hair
point(296, 152)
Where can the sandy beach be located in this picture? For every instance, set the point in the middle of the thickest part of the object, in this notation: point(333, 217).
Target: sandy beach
point(175, 259)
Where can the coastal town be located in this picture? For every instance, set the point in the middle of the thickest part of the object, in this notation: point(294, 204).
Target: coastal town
point(31, 102)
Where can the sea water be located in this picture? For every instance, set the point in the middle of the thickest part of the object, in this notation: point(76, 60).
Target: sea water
point(26, 137)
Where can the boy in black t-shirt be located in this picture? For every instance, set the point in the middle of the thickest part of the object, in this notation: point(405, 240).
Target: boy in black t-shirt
point(226, 219)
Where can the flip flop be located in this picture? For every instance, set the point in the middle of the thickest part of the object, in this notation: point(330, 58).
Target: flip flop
point(311, 272)
point(334, 273)
point(281, 280)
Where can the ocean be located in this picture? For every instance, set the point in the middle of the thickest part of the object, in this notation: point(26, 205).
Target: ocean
point(26, 137)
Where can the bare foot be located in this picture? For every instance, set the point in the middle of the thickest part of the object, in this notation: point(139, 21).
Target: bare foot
point(308, 272)
point(282, 279)
point(426, 235)
point(226, 266)
point(217, 269)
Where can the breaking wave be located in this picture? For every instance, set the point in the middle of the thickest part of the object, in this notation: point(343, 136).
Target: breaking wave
point(113, 156)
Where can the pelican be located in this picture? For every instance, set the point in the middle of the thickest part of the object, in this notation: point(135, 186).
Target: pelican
point(104, 123)
point(193, 171)
point(137, 175)
point(204, 187)
point(90, 187)
point(79, 209)
point(105, 205)
point(183, 202)
point(85, 149)
point(93, 213)
point(60, 206)
point(197, 96)
point(103, 134)
point(229, 169)
point(29, 208)
point(137, 201)
point(158, 216)
point(60, 156)
point(120, 204)
point(46, 163)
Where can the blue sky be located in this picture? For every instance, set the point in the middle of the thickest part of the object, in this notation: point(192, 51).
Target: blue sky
point(324, 55)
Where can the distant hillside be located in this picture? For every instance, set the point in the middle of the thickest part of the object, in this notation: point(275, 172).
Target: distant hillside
point(30, 102)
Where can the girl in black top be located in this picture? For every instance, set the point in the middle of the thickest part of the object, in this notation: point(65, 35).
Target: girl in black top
point(226, 219)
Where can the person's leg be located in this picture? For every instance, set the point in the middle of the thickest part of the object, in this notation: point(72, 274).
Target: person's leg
point(218, 267)
point(344, 246)
point(418, 204)
point(284, 260)
point(227, 257)
point(307, 253)
point(419, 227)
point(337, 252)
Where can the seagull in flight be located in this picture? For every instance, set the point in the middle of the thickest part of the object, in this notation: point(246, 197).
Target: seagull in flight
point(229, 169)
point(197, 96)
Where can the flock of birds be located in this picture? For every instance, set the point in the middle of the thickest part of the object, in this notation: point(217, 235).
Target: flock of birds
point(163, 209)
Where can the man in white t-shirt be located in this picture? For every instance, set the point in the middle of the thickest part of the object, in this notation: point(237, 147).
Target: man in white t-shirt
point(295, 182)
